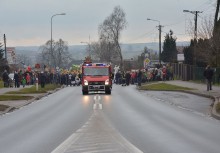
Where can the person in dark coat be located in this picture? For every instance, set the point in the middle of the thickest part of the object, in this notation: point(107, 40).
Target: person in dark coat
point(139, 77)
point(5, 78)
point(127, 78)
point(117, 77)
point(208, 74)
point(16, 79)
point(42, 79)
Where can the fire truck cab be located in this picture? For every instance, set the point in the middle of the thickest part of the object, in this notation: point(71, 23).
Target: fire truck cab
point(96, 77)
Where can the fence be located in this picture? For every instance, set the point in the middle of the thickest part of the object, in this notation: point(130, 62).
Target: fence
point(189, 72)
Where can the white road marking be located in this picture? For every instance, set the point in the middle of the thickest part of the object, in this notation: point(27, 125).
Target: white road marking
point(96, 136)
point(97, 104)
point(67, 143)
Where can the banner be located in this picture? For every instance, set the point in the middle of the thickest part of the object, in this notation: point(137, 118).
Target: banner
point(11, 57)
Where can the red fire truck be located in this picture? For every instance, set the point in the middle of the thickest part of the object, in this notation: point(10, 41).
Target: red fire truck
point(96, 77)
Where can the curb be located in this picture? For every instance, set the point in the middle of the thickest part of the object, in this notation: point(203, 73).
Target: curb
point(10, 109)
point(215, 99)
point(213, 112)
point(7, 110)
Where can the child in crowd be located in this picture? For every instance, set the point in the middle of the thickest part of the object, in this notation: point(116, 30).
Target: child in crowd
point(23, 81)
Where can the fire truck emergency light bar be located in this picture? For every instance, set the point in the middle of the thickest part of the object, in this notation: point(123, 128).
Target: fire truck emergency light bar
point(99, 64)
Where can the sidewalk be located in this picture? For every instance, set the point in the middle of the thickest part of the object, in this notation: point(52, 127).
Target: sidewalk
point(15, 104)
point(201, 90)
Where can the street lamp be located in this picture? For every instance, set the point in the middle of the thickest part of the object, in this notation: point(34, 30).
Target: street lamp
point(159, 38)
point(196, 15)
point(107, 40)
point(195, 31)
point(82, 42)
point(52, 30)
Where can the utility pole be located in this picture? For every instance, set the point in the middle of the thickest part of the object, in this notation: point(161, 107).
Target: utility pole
point(160, 43)
point(195, 31)
point(5, 47)
point(159, 26)
point(195, 18)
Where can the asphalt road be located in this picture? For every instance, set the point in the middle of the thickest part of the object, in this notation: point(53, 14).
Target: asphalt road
point(150, 124)
point(43, 125)
point(190, 102)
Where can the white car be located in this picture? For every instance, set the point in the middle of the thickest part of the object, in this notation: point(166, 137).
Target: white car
point(11, 76)
point(11, 80)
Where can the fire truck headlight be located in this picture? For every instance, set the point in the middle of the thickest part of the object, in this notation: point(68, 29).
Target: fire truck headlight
point(107, 82)
point(86, 83)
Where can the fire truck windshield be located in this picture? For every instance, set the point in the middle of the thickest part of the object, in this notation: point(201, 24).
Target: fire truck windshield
point(94, 71)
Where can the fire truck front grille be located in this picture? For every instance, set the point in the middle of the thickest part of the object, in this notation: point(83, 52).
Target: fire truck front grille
point(96, 86)
point(97, 83)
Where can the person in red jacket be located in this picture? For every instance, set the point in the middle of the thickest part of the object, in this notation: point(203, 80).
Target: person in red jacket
point(164, 71)
point(28, 79)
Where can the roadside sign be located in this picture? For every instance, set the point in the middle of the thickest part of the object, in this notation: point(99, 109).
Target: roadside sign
point(180, 57)
point(147, 61)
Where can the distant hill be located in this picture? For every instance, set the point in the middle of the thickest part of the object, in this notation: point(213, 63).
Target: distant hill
point(79, 51)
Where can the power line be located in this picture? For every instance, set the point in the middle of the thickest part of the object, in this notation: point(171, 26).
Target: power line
point(196, 15)
point(173, 24)
point(203, 4)
point(140, 36)
point(174, 33)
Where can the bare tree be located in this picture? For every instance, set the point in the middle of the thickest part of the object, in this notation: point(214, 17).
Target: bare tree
point(24, 59)
point(205, 30)
point(45, 55)
point(105, 51)
point(95, 50)
point(215, 39)
point(62, 54)
point(208, 46)
point(58, 56)
point(112, 27)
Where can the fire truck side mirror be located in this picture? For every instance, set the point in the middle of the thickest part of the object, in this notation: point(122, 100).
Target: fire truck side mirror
point(112, 75)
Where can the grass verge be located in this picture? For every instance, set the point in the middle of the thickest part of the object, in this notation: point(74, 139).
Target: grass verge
point(1, 84)
point(14, 97)
point(163, 87)
point(32, 90)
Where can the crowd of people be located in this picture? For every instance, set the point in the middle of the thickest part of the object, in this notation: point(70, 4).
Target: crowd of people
point(144, 75)
point(23, 78)
point(68, 78)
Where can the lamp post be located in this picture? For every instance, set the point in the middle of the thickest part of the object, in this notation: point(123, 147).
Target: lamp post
point(196, 15)
point(106, 40)
point(159, 38)
point(195, 31)
point(5, 47)
point(82, 42)
point(51, 49)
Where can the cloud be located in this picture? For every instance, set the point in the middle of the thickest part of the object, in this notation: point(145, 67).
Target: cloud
point(28, 21)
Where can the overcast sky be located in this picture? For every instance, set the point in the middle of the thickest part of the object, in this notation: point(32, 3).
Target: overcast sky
point(27, 22)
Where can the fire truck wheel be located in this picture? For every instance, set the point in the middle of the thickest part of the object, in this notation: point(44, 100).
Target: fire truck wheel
point(108, 92)
point(85, 92)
